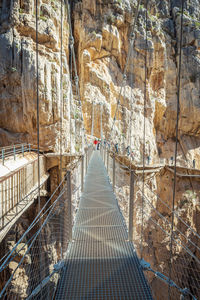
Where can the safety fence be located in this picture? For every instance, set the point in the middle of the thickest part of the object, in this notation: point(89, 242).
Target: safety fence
point(18, 189)
point(30, 270)
point(150, 161)
point(14, 150)
point(171, 258)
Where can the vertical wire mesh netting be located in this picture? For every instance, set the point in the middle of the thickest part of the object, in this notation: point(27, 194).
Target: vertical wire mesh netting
point(185, 263)
point(32, 270)
point(185, 270)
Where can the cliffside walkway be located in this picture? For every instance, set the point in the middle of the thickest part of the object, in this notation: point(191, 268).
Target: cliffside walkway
point(101, 263)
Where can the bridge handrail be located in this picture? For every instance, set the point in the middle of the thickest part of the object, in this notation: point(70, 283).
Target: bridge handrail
point(40, 215)
point(13, 150)
point(185, 238)
point(11, 173)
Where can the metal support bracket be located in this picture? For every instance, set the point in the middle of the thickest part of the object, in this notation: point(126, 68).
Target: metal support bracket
point(184, 292)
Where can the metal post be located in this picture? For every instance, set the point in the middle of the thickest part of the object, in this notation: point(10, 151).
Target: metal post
point(69, 197)
point(101, 124)
point(29, 147)
point(86, 154)
point(131, 206)
point(2, 203)
point(107, 160)
point(14, 153)
point(82, 172)
point(114, 172)
point(92, 130)
point(17, 190)
point(3, 156)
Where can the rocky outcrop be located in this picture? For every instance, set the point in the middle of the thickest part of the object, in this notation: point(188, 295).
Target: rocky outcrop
point(101, 33)
point(101, 30)
point(18, 74)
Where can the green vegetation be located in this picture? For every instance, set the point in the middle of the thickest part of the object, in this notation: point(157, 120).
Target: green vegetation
point(13, 70)
point(141, 7)
point(77, 148)
point(197, 23)
point(21, 10)
point(94, 33)
point(43, 18)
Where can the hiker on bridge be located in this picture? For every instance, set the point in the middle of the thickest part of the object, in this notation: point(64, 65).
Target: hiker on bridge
point(116, 148)
point(194, 163)
point(98, 144)
point(128, 150)
point(95, 144)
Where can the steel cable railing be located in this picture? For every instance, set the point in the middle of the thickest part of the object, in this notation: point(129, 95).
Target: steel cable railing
point(185, 278)
point(46, 240)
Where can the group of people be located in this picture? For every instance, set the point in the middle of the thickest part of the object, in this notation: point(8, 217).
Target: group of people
point(98, 142)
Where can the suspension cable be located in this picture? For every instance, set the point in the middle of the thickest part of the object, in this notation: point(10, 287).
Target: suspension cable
point(144, 131)
point(37, 100)
point(28, 248)
point(168, 234)
point(132, 38)
point(61, 106)
point(92, 127)
point(169, 223)
point(176, 145)
point(76, 78)
point(61, 84)
point(39, 216)
point(38, 120)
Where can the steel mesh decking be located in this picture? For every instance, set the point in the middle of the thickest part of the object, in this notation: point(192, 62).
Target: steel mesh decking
point(100, 263)
point(92, 234)
point(100, 216)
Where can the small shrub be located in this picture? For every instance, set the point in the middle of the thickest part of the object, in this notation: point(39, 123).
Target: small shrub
point(13, 70)
point(43, 18)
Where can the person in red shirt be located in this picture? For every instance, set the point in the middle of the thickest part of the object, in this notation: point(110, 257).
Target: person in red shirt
point(95, 144)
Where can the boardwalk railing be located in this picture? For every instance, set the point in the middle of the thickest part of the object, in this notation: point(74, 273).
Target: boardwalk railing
point(12, 151)
point(18, 189)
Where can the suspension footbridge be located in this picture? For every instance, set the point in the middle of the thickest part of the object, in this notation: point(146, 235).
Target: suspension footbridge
point(101, 233)
point(101, 263)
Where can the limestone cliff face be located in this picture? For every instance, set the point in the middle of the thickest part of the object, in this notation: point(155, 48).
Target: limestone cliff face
point(18, 119)
point(101, 31)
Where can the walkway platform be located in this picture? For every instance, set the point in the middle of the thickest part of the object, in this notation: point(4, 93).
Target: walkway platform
point(101, 263)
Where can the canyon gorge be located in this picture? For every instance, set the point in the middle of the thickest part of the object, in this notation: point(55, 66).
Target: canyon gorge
point(101, 31)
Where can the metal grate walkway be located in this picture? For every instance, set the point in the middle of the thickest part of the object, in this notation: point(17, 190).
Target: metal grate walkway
point(101, 263)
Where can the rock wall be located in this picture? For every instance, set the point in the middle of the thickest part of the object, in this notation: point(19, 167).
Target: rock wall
point(101, 30)
point(18, 114)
